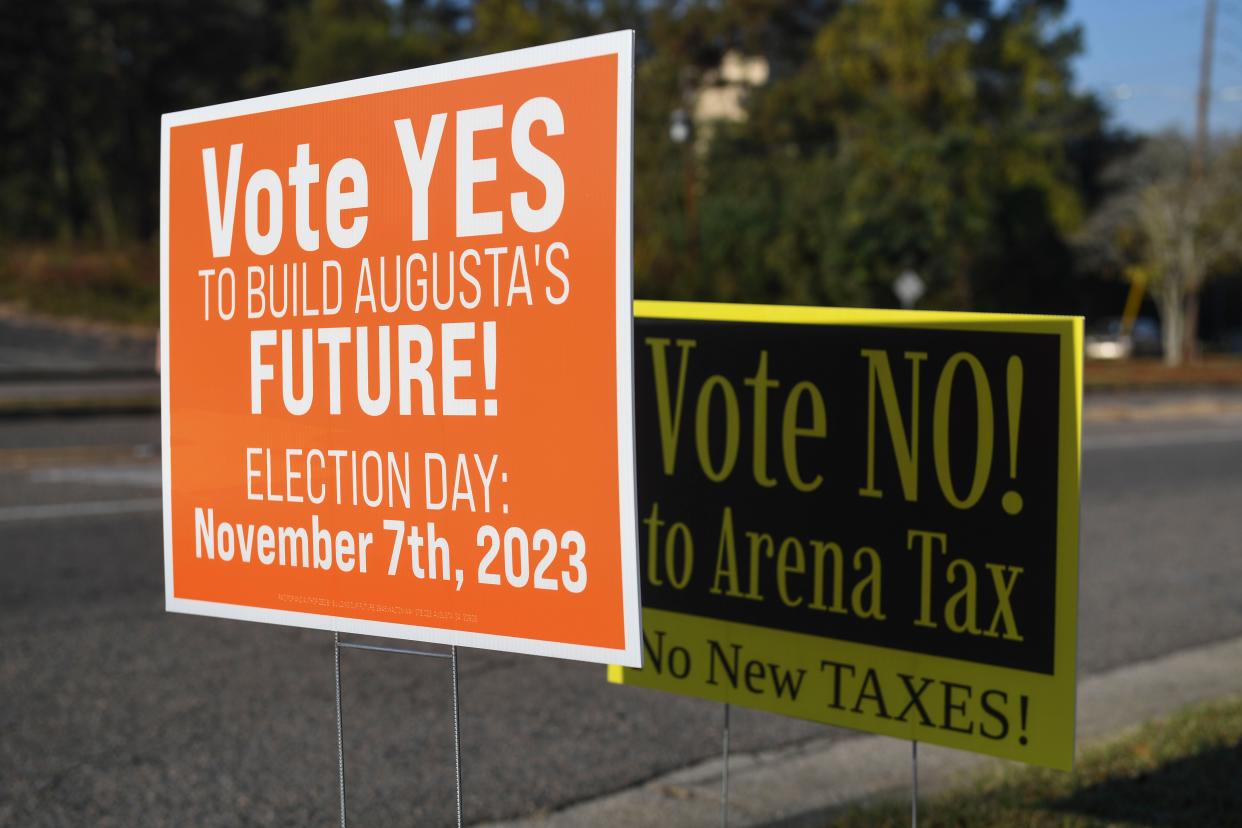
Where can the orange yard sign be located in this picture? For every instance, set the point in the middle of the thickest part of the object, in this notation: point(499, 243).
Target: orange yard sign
point(396, 352)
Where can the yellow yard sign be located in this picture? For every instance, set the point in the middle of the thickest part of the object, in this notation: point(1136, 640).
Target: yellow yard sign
point(863, 518)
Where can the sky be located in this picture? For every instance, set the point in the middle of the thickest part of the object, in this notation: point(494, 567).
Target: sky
point(1142, 58)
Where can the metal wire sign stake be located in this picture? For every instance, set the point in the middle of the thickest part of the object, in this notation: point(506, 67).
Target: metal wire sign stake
point(456, 736)
point(724, 774)
point(914, 784)
point(337, 646)
point(340, 727)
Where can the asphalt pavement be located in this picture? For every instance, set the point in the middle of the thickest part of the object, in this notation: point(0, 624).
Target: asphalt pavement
point(117, 713)
point(36, 349)
point(74, 368)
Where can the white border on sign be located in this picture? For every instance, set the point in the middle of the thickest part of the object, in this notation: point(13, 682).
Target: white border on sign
point(620, 44)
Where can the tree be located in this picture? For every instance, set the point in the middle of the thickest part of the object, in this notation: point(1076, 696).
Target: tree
point(681, 210)
point(926, 134)
point(1175, 225)
point(86, 82)
point(938, 135)
point(335, 40)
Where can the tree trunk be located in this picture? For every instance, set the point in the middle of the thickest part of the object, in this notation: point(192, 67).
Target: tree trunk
point(1190, 326)
point(63, 187)
point(1172, 318)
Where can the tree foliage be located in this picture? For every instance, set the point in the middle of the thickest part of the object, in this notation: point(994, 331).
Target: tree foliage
point(1171, 227)
point(942, 137)
point(938, 135)
point(85, 83)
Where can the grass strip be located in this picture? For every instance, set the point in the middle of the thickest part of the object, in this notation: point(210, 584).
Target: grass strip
point(1182, 771)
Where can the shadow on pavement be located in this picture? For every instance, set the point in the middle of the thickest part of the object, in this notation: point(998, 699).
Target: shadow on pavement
point(1198, 790)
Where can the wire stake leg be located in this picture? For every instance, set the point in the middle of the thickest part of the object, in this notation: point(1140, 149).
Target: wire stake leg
point(456, 735)
point(340, 726)
point(914, 786)
point(724, 774)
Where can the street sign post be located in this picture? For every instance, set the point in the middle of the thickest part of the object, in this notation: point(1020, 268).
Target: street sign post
point(909, 288)
point(396, 321)
point(864, 518)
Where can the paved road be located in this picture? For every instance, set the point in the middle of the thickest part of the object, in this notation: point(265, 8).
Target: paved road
point(38, 349)
point(72, 366)
point(117, 714)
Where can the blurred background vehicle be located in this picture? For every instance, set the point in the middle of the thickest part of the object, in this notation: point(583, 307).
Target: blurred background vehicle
point(1109, 339)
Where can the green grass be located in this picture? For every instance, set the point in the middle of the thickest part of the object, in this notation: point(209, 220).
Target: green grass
point(119, 285)
point(1183, 771)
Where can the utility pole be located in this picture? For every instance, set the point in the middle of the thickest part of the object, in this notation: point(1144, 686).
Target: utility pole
point(1205, 92)
point(1198, 170)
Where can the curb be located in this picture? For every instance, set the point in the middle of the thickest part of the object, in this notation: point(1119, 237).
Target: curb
point(64, 397)
point(1145, 407)
point(23, 409)
point(803, 785)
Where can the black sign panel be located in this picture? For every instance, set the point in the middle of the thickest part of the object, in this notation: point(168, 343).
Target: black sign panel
point(880, 485)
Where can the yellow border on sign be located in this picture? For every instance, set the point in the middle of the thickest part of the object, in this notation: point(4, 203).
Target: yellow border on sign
point(1058, 690)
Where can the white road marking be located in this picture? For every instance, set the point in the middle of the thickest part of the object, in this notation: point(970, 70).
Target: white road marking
point(89, 508)
point(103, 475)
